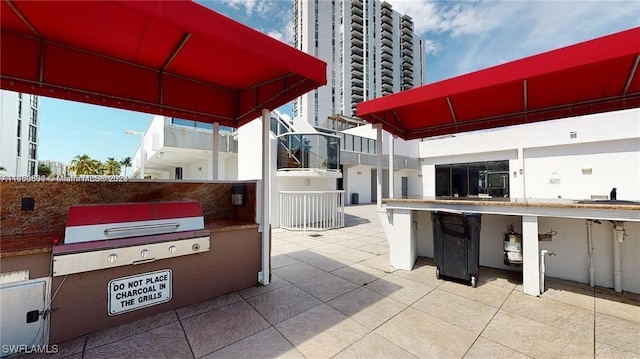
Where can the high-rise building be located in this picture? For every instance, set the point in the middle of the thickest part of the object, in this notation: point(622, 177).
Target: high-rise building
point(370, 49)
point(19, 133)
point(58, 169)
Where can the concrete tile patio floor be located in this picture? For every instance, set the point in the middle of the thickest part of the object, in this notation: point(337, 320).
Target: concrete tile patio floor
point(335, 296)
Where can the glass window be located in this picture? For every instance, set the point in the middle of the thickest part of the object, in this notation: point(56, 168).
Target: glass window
point(32, 168)
point(459, 180)
point(34, 116)
point(473, 179)
point(348, 142)
point(32, 133)
point(19, 128)
point(19, 109)
point(357, 143)
point(19, 147)
point(372, 146)
point(32, 151)
point(34, 101)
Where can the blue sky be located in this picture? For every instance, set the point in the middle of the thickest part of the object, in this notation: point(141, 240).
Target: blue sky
point(462, 36)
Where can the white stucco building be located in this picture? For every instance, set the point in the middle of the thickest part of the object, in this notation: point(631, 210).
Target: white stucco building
point(19, 133)
point(180, 149)
point(550, 177)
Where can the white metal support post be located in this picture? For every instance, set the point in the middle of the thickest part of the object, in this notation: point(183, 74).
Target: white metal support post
point(378, 128)
point(214, 152)
point(266, 194)
point(531, 256)
point(392, 141)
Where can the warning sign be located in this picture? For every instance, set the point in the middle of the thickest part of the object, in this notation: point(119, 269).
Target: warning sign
point(139, 291)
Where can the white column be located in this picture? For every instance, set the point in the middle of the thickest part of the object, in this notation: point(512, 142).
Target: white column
point(391, 166)
point(403, 248)
point(143, 155)
point(214, 152)
point(379, 165)
point(531, 256)
point(266, 202)
point(520, 171)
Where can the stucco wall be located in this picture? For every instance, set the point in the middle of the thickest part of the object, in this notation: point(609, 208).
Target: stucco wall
point(569, 242)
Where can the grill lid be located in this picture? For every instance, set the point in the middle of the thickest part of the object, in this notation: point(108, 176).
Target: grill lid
point(120, 220)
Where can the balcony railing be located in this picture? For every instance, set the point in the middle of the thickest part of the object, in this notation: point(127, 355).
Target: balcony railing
point(358, 144)
point(300, 151)
point(311, 210)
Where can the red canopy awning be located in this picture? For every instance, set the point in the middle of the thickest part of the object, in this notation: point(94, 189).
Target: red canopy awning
point(595, 76)
point(175, 58)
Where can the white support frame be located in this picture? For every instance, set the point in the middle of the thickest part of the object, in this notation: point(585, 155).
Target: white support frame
point(265, 278)
point(214, 152)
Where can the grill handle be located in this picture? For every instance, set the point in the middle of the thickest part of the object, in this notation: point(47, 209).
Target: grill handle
point(141, 227)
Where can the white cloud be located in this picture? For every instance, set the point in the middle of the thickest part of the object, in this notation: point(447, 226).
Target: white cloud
point(431, 47)
point(284, 34)
point(261, 7)
point(466, 36)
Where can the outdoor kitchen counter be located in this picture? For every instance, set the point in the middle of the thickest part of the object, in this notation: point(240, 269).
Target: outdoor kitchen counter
point(608, 210)
point(35, 243)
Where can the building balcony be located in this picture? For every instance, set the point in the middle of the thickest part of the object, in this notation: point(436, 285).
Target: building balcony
point(355, 17)
point(356, 9)
point(356, 32)
point(356, 58)
point(386, 27)
point(387, 58)
point(407, 37)
point(308, 151)
point(356, 47)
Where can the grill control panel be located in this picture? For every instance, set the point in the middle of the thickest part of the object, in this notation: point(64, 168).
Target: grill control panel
point(70, 263)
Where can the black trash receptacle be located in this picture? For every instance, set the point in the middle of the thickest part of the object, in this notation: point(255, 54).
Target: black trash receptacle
point(354, 198)
point(456, 245)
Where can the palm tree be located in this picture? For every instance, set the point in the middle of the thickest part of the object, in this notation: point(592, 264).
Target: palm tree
point(126, 162)
point(84, 165)
point(44, 170)
point(111, 167)
point(2, 169)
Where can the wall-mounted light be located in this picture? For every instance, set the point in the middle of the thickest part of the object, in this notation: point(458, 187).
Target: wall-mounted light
point(238, 194)
point(587, 171)
point(359, 172)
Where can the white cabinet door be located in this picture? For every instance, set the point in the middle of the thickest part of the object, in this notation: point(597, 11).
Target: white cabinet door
point(21, 322)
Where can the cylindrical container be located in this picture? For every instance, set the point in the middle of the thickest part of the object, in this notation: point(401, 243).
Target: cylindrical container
point(512, 246)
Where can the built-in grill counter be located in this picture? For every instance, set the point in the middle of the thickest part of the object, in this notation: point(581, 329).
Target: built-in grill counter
point(97, 255)
point(595, 242)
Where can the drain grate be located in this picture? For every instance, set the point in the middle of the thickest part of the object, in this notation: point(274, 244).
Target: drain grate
point(315, 235)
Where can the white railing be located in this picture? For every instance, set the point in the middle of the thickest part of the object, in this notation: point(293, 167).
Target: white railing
point(311, 210)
